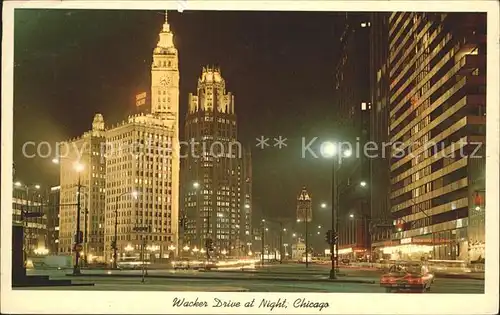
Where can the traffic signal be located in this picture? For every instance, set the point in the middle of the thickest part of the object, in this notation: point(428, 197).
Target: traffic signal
point(329, 237)
point(209, 244)
point(335, 237)
point(79, 237)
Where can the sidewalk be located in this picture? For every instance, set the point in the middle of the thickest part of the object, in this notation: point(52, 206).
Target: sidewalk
point(201, 276)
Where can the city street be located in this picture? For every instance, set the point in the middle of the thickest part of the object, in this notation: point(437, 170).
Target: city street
point(272, 279)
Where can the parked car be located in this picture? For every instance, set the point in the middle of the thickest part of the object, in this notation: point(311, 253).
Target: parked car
point(407, 276)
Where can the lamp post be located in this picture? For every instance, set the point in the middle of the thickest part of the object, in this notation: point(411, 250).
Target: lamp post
point(263, 234)
point(78, 238)
point(330, 150)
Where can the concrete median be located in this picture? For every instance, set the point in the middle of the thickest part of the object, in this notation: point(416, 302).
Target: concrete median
point(218, 277)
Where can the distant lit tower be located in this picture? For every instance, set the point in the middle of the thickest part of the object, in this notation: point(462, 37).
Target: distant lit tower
point(304, 214)
point(213, 175)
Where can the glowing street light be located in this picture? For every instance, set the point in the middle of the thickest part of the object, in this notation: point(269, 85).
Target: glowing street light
point(196, 185)
point(477, 208)
point(319, 226)
point(18, 184)
point(363, 184)
point(78, 166)
point(223, 252)
point(186, 248)
point(129, 248)
point(55, 161)
point(171, 247)
point(247, 206)
point(37, 186)
point(323, 205)
point(351, 215)
point(294, 234)
point(328, 149)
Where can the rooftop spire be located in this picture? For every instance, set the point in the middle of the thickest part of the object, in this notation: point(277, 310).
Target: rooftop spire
point(166, 26)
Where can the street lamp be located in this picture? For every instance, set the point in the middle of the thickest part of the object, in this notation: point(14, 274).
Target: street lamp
point(78, 239)
point(323, 205)
point(115, 241)
point(362, 184)
point(330, 150)
point(196, 185)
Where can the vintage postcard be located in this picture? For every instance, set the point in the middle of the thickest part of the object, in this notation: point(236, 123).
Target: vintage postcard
point(250, 157)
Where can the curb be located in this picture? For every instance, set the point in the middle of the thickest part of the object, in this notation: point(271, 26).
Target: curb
point(273, 273)
point(226, 278)
point(445, 276)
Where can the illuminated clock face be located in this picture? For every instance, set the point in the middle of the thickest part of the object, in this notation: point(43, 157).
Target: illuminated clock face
point(165, 80)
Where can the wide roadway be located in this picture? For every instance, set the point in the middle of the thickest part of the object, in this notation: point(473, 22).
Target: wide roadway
point(308, 281)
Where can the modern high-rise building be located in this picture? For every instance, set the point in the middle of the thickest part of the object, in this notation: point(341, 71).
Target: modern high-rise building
point(353, 104)
point(437, 113)
point(379, 185)
point(87, 152)
point(216, 173)
point(142, 167)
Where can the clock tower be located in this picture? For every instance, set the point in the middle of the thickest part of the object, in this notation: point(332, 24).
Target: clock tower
point(165, 76)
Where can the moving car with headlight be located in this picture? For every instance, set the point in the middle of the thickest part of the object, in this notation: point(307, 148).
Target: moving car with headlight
point(407, 276)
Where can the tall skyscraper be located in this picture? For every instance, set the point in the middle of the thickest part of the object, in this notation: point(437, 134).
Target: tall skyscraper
point(87, 152)
point(437, 75)
point(213, 174)
point(142, 167)
point(352, 98)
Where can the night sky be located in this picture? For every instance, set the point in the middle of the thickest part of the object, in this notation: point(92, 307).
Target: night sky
point(70, 65)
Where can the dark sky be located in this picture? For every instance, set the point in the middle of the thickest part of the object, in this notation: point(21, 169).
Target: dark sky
point(70, 65)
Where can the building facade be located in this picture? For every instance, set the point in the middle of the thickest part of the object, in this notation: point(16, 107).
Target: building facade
point(216, 180)
point(352, 98)
point(52, 213)
point(26, 200)
point(85, 152)
point(142, 167)
point(437, 110)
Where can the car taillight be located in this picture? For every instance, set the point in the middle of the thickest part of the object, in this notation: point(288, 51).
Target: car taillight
point(415, 280)
point(388, 279)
